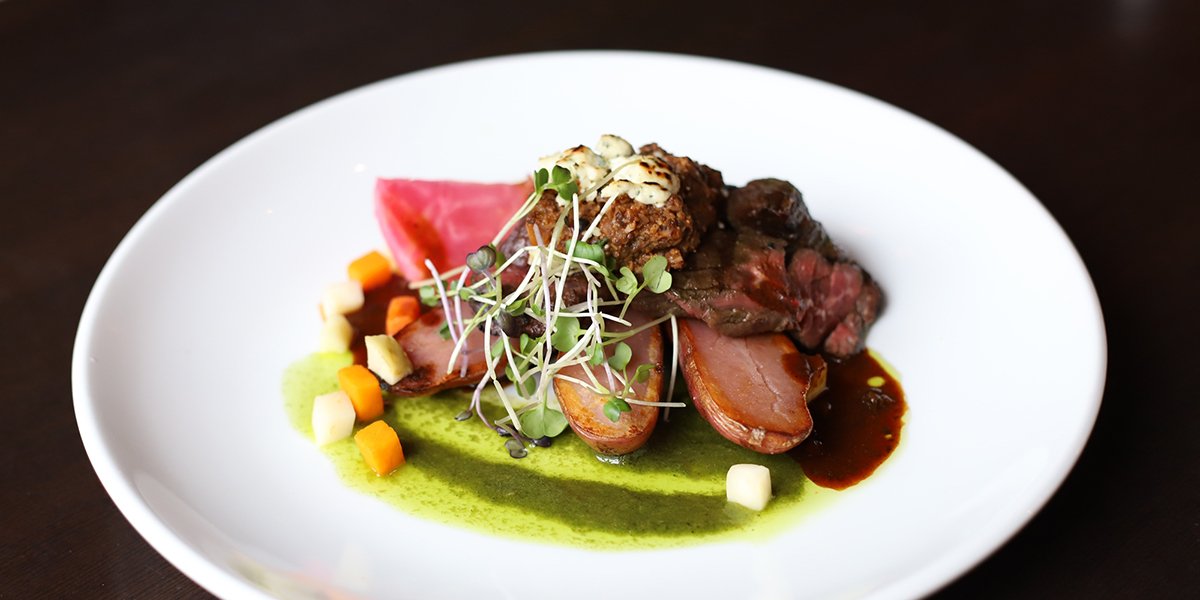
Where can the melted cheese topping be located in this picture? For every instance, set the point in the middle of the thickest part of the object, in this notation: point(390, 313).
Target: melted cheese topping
point(646, 179)
point(613, 148)
point(586, 166)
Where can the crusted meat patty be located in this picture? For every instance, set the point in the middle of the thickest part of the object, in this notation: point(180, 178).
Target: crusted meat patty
point(636, 231)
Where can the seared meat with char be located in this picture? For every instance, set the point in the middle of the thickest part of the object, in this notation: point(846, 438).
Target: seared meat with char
point(774, 269)
point(736, 283)
point(745, 260)
point(776, 208)
point(635, 231)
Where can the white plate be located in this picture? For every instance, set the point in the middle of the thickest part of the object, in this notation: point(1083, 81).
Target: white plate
point(991, 319)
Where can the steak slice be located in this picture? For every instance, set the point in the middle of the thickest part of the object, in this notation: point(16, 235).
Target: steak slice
point(776, 208)
point(774, 269)
point(736, 283)
point(844, 302)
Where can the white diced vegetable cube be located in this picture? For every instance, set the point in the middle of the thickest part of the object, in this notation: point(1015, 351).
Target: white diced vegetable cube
point(386, 358)
point(336, 332)
point(332, 417)
point(748, 485)
point(341, 298)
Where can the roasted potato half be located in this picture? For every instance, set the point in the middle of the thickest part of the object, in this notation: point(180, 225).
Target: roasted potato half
point(584, 408)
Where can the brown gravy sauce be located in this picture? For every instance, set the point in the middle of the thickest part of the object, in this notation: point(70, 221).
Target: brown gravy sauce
point(856, 426)
point(371, 319)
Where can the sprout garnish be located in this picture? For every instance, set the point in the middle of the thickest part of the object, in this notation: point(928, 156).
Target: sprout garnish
point(572, 334)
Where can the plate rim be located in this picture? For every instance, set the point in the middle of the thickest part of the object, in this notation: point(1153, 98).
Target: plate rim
point(201, 570)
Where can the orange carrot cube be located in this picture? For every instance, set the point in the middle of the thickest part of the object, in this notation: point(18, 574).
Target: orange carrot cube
point(401, 311)
point(363, 389)
point(380, 447)
point(371, 270)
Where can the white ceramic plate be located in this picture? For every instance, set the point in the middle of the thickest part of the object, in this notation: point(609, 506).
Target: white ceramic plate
point(991, 319)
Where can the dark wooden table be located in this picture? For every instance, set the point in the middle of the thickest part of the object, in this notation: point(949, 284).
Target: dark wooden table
point(1093, 105)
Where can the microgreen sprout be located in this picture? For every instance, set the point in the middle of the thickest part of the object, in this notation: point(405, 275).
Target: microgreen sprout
point(614, 407)
point(483, 259)
point(581, 332)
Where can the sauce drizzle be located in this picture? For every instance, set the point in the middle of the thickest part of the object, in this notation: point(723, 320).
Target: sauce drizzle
point(856, 425)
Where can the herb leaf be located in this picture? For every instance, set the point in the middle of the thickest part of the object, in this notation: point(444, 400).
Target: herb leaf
point(516, 307)
point(663, 284)
point(627, 282)
point(596, 355)
point(642, 374)
point(429, 295)
point(483, 258)
point(527, 343)
point(614, 407)
point(527, 388)
point(445, 331)
point(592, 252)
point(620, 357)
point(563, 183)
point(566, 333)
point(543, 421)
point(655, 274)
point(554, 422)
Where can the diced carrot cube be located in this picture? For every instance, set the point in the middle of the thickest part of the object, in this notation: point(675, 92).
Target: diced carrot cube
point(401, 311)
point(380, 447)
point(371, 270)
point(363, 389)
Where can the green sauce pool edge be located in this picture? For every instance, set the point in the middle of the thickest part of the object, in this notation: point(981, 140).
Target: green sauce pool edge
point(671, 493)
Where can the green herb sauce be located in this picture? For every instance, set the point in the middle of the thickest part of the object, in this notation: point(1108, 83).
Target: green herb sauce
point(670, 493)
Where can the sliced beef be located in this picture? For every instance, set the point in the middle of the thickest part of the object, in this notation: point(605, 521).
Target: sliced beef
point(768, 266)
point(736, 282)
point(774, 270)
point(844, 302)
point(776, 208)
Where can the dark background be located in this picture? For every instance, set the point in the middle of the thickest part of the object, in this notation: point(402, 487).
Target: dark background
point(1092, 105)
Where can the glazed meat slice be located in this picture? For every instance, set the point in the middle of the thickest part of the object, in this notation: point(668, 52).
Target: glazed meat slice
point(584, 408)
point(753, 390)
point(429, 353)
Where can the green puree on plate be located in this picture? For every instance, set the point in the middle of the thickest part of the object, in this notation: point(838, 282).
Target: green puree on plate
point(670, 493)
